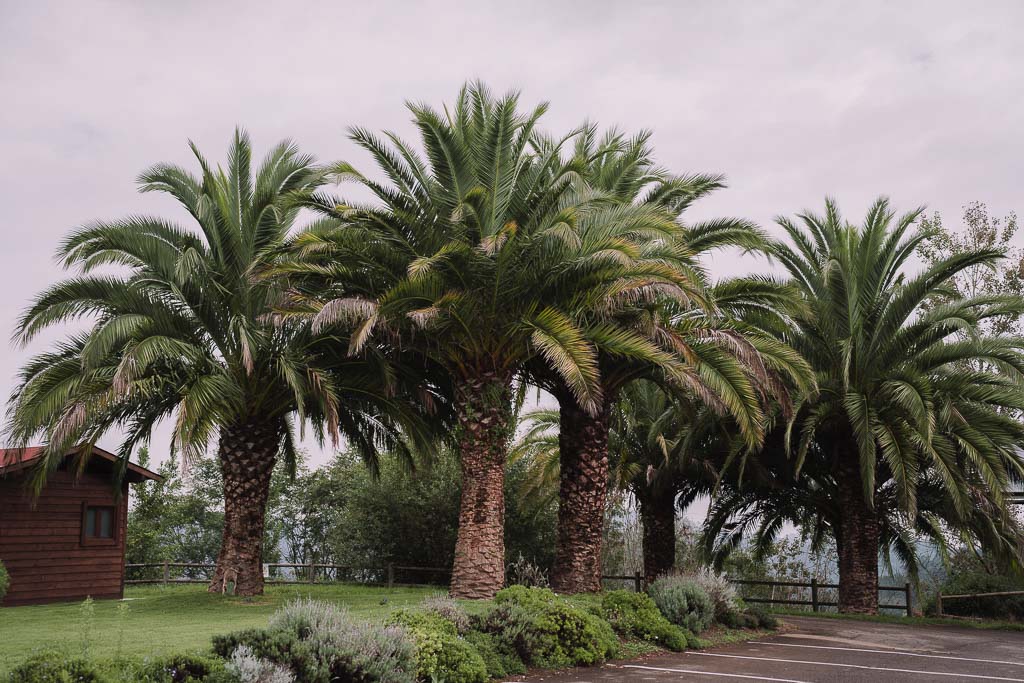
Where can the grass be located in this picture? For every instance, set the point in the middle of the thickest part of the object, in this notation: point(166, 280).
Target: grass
point(980, 624)
point(164, 620)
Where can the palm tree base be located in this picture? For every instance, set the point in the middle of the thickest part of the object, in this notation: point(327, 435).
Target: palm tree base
point(247, 453)
point(483, 405)
point(658, 517)
point(583, 488)
point(857, 546)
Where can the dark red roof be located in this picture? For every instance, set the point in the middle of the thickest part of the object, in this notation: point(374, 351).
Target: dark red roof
point(15, 456)
point(17, 459)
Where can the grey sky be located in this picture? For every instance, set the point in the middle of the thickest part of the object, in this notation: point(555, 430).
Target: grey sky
point(922, 101)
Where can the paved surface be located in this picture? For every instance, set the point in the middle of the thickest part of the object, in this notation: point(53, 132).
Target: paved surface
point(820, 650)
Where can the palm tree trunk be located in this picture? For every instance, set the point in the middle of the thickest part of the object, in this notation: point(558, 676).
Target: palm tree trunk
point(247, 453)
point(583, 487)
point(856, 542)
point(483, 405)
point(658, 517)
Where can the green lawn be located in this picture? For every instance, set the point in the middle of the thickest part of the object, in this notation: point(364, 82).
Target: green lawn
point(162, 620)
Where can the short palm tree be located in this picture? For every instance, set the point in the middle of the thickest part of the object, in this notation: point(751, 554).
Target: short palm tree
point(185, 329)
point(905, 396)
point(471, 258)
point(758, 511)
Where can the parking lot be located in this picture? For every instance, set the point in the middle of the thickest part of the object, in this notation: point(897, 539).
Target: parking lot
point(822, 650)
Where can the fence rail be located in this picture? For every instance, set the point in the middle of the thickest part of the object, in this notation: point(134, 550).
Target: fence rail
point(303, 573)
point(815, 602)
point(971, 596)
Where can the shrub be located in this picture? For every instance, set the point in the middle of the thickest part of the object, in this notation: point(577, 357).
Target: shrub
point(498, 656)
point(5, 581)
point(683, 602)
point(722, 593)
point(246, 667)
point(440, 653)
point(739, 620)
point(184, 668)
point(546, 630)
point(635, 615)
point(522, 572)
point(52, 666)
point(319, 643)
point(762, 617)
point(445, 607)
point(1003, 607)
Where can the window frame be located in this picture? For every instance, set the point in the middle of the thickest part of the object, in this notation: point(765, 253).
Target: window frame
point(114, 538)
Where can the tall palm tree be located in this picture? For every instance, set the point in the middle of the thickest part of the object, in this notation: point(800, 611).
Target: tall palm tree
point(904, 396)
point(672, 332)
point(472, 258)
point(184, 329)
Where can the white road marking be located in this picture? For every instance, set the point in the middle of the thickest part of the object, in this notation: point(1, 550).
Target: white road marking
point(711, 673)
point(890, 652)
point(858, 666)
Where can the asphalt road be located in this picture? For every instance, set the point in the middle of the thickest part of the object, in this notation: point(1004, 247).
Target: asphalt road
point(825, 650)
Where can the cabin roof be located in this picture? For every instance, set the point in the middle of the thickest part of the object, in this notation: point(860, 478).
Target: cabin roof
point(17, 459)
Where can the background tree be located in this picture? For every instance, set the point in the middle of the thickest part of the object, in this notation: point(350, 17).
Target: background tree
point(185, 330)
point(979, 231)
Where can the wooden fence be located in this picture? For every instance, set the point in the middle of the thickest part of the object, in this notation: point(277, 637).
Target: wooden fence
point(386, 576)
point(815, 602)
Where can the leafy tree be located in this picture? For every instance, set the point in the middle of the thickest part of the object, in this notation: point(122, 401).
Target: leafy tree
point(472, 259)
point(912, 396)
point(186, 329)
point(979, 231)
point(400, 516)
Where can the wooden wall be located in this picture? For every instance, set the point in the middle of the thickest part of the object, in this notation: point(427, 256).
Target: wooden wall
point(41, 540)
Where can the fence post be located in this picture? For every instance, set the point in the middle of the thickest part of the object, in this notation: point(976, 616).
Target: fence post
point(312, 572)
point(638, 581)
point(910, 605)
point(167, 572)
point(391, 575)
point(814, 594)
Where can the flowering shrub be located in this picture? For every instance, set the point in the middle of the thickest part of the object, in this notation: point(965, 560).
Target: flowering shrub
point(447, 608)
point(722, 593)
point(319, 643)
point(683, 602)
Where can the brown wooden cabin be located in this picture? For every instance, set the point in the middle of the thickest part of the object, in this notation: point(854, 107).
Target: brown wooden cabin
point(67, 543)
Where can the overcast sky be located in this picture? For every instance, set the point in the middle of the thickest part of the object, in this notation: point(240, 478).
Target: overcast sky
point(922, 101)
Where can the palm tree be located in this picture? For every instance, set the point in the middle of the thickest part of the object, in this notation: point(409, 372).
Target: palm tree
point(185, 329)
point(910, 390)
point(673, 333)
point(472, 258)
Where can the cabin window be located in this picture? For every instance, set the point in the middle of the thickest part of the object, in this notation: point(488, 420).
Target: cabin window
point(97, 523)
